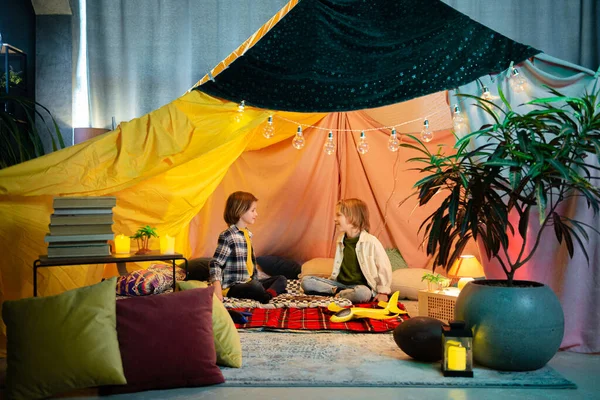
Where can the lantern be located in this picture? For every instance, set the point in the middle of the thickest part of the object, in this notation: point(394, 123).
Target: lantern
point(457, 350)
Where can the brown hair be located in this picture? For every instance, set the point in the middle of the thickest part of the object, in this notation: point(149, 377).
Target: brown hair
point(237, 204)
point(356, 213)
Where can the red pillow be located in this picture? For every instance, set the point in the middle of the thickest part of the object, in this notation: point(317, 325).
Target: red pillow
point(166, 341)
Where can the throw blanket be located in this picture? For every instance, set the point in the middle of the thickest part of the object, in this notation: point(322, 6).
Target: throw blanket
point(294, 298)
point(304, 319)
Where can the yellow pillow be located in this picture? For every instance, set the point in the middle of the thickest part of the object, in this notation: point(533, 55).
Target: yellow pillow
point(318, 267)
point(226, 336)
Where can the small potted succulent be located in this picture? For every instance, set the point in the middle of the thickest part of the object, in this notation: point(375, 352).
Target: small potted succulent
point(435, 282)
point(142, 236)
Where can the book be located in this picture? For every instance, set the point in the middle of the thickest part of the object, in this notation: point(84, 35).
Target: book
point(78, 238)
point(87, 243)
point(82, 211)
point(85, 202)
point(79, 251)
point(59, 230)
point(86, 219)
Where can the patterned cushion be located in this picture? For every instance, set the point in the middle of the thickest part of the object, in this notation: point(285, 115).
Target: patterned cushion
point(396, 259)
point(156, 279)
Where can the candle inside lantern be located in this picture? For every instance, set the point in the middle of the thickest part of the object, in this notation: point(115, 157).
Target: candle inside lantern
point(122, 244)
point(457, 356)
point(167, 244)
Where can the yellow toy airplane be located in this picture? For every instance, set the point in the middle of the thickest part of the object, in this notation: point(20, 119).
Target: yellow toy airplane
point(389, 310)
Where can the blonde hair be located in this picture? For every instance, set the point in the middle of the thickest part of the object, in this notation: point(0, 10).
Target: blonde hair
point(237, 204)
point(356, 213)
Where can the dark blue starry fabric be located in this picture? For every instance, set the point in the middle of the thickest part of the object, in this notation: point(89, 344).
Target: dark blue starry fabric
point(343, 55)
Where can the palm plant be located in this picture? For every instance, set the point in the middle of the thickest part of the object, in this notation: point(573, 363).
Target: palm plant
point(20, 138)
point(142, 236)
point(519, 162)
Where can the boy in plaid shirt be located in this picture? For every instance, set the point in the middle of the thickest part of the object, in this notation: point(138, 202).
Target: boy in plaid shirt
point(232, 269)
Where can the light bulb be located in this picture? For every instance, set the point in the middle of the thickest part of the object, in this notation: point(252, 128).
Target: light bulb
point(363, 145)
point(269, 131)
point(298, 141)
point(486, 94)
point(393, 143)
point(240, 112)
point(517, 82)
point(426, 134)
point(329, 146)
point(458, 121)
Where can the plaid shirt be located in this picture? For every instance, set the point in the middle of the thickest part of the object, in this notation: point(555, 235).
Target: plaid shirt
point(228, 264)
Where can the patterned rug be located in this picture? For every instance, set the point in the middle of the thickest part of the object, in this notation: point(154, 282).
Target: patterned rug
point(294, 298)
point(342, 360)
point(315, 319)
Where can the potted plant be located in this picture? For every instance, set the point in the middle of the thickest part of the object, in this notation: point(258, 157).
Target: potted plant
point(20, 138)
point(519, 165)
point(435, 281)
point(142, 236)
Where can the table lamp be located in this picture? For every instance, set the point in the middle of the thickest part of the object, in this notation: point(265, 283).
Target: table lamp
point(466, 267)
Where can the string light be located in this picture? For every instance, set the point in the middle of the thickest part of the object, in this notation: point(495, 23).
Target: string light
point(239, 115)
point(269, 130)
point(329, 146)
point(458, 121)
point(363, 145)
point(517, 82)
point(426, 134)
point(393, 143)
point(298, 141)
point(486, 95)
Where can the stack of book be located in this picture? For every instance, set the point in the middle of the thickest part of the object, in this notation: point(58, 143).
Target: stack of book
point(81, 227)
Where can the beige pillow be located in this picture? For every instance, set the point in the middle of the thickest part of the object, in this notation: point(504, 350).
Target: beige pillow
point(408, 282)
point(317, 267)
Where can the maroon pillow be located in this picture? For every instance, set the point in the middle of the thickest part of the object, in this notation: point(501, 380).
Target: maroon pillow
point(166, 341)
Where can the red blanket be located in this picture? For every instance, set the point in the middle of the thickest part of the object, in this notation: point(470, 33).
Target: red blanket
point(316, 318)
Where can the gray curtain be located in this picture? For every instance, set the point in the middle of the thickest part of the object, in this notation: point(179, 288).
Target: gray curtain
point(565, 29)
point(143, 54)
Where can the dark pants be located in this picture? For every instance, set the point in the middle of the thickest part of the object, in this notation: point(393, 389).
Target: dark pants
point(262, 290)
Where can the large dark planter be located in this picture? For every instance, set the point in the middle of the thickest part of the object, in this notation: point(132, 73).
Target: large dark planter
point(517, 328)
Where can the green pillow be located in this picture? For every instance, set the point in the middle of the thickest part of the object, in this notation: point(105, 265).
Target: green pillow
point(227, 338)
point(59, 343)
point(396, 259)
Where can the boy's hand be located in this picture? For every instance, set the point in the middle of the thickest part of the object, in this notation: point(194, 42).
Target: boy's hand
point(218, 290)
point(381, 297)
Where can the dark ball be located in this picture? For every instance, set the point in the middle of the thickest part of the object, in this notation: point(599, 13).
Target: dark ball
point(420, 338)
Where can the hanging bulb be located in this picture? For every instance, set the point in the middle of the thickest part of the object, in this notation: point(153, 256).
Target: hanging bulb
point(269, 131)
point(458, 121)
point(240, 112)
point(517, 82)
point(426, 134)
point(329, 146)
point(393, 143)
point(363, 145)
point(486, 94)
point(298, 141)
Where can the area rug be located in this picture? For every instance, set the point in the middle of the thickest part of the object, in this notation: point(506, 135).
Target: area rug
point(362, 360)
point(315, 319)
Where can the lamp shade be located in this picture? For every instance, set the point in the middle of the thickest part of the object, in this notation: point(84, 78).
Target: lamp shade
point(466, 266)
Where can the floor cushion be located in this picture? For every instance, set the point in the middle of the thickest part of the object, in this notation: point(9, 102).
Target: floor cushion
point(154, 280)
point(318, 267)
point(60, 343)
point(166, 341)
point(275, 265)
point(408, 281)
point(198, 269)
point(226, 336)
